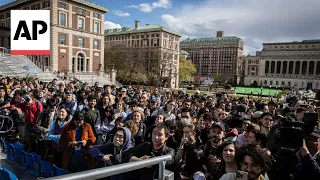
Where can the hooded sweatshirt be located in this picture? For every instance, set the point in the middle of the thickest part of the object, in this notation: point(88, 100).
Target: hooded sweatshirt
point(99, 151)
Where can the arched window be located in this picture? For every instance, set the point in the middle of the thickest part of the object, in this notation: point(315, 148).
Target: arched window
point(266, 70)
point(273, 64)
point(284, 69)
point(291, 67)
point(81, 63)
point(304, 67)
point(278, 67)
point(311, 67)
point(297, 70)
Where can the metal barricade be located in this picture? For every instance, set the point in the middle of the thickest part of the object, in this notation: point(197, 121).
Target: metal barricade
point(118, 169)
point(6, 122)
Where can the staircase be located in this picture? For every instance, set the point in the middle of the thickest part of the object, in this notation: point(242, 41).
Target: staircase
point(22, 66)
point(90, 78)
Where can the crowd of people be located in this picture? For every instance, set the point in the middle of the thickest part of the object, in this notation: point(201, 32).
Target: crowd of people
point(210, 136)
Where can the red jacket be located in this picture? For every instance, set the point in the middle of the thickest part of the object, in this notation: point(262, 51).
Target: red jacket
point(31, 111)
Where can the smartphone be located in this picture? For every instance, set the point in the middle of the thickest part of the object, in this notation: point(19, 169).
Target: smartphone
point(241, 175)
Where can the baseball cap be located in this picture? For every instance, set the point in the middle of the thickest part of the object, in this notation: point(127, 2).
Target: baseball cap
point(218, 124)
point(154, 99)
point(316, 132)
point(232, 132)
point(123, 90)
point(257, 114)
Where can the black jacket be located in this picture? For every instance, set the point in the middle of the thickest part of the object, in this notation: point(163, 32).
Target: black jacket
point(147, 149)
point(307, 168)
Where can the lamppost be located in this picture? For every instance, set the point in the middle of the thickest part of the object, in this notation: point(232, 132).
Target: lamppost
point(269, 92)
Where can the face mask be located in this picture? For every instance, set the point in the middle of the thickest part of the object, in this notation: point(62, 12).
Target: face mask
point(185, 121)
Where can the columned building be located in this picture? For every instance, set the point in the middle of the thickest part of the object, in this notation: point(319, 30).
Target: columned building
point(293, 64)
point(77, 34)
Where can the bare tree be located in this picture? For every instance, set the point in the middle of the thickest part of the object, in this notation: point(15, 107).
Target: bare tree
point(135, 64)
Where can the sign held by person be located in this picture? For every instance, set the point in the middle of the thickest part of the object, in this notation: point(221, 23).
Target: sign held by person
point(30, 32)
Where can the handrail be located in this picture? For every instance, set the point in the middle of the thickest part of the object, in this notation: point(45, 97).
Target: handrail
point(117, 169)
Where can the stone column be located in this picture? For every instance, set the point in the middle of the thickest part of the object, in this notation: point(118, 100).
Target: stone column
point(269, 71)
point(308, 64)
point(294, 68)
point(281, 67)
point(76, 64)
point(287, 71)
point(275, 67)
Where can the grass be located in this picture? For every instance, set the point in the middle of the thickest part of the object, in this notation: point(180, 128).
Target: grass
point(255, 91)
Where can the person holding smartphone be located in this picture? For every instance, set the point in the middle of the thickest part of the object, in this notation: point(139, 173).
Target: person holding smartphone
point(254, 162)
point(75, 140)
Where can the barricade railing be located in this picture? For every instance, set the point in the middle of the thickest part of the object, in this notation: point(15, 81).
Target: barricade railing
point(118, 169)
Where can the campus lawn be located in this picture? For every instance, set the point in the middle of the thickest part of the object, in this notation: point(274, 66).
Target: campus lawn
point(255, 91)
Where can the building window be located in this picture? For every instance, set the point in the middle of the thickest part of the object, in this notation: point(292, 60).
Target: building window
point(46, 4)
point(81, 11)
point(170, 46)
point(96, 44)
point(96, 15)
point(63, 5)
point(26, 8)
point(81, 23)
point(35, 7)
point(165, 43)
point(81, 62)
point(297, 70)
point(144, 43)
point(63, 18)
point(80, 42)
point(62, 39)
point(96, 27)
point(155, 42)
point(7, 15)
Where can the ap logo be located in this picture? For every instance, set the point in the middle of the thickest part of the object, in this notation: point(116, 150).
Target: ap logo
point(30, 32)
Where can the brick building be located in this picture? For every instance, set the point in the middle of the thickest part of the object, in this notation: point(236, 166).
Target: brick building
point(77, 34)
point(216, 58)
point(151, 37)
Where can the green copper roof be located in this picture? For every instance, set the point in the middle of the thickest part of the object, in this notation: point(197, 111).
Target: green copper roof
point(84, 2)
point(183, 52)
point(92, 4)
point(226, 38)
point(146, 28)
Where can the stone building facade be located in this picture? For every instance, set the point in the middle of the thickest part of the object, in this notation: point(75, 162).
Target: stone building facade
point(77, 34)
point(152, 37)
point(216, 58)
point(293, 64)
